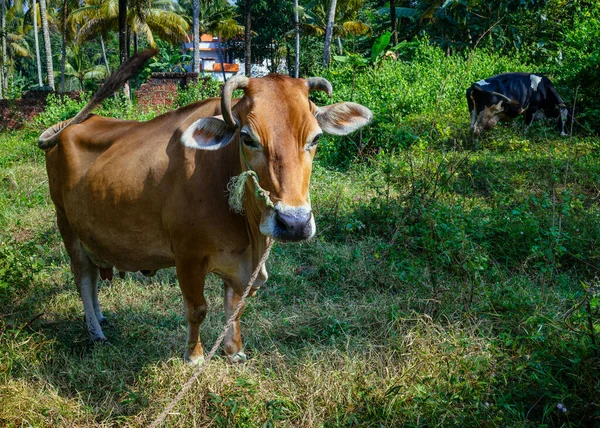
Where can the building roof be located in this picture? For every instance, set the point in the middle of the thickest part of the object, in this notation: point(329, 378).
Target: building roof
point(229, 68)
point(203, 38)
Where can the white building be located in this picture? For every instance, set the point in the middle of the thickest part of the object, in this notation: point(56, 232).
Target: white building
point(210, 57)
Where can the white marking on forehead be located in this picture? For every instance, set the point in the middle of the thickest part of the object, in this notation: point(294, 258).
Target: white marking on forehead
point(482, 82)
point(293, 211)
point(535, 81)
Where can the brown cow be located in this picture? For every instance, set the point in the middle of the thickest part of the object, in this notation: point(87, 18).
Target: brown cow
point(146, 196)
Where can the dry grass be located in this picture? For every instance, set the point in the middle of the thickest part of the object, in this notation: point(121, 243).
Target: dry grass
point(357, 327)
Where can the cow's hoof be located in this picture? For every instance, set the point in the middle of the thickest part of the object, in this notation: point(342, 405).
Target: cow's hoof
point(237, 358)
point(99, 340)
point(194, 360)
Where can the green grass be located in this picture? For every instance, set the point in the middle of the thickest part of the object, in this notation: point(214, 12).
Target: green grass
point(452, 283)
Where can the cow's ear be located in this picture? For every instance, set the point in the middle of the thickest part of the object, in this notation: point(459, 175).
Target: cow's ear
point(208, 133)
point(342, 118)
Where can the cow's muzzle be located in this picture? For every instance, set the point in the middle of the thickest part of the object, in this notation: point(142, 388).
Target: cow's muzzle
point(286, 223)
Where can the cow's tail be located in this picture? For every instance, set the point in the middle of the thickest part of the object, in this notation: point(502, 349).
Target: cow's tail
point(49, 137)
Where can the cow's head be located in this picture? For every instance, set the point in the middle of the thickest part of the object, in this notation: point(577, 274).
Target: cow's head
point(486, 118)
point(276, 128)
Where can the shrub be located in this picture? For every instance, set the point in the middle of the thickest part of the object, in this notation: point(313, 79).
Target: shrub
point(204, 88)
point(59, 109)
point(19, 262)
point(407, 96)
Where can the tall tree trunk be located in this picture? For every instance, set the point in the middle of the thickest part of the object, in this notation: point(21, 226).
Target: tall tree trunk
point(63, 51)
point(297, 28)
point(248, 37)
point(122, 30)
point(37, 45)
point(3, 76)
point(135, 51)
point(128, 41)
point(106, 61)
point(393, 23)
point(104, 55)
point(123, 45)
point(47, 46)
point(196, 36)
point(329, 33)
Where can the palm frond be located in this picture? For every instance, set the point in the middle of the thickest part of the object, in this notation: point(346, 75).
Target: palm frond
point(355, 28)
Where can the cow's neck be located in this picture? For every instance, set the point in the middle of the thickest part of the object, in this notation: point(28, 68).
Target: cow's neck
point(252, 214)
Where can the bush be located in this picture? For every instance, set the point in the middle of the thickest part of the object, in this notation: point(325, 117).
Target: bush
point(577, 64)
point(19, 262)
point(204, 88)
point(423, 87)
point(60, 108)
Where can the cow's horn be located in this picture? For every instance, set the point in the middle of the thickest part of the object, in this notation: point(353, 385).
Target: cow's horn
point(236, 82)
point(319, 84)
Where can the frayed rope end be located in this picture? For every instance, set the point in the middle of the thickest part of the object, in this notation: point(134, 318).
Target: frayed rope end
point(237, 187)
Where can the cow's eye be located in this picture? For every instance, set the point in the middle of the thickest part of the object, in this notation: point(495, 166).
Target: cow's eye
point(248, 140)
point(313, 143)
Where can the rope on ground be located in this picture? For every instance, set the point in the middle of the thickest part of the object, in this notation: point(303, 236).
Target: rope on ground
point(186, 387)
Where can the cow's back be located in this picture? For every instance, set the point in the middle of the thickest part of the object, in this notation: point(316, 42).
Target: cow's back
point(104, 172)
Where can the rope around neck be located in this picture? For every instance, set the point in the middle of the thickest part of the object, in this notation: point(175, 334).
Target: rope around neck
point(237, 187)
point(187, 386)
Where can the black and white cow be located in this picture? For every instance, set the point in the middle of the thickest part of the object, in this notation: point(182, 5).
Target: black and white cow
point(505, 96)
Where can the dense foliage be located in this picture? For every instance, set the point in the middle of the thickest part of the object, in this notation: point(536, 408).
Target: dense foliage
point(557, 37)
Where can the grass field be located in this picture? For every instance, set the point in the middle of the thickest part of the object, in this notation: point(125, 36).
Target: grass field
point(450, 284)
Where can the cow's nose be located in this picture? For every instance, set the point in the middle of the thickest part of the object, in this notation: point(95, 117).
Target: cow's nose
point(293, 226)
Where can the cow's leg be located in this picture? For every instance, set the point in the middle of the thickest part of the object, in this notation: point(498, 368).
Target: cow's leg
point(473, 119)
point(191, 274)
point(85, 274)
point(530, 116)
point(99, 316)
point(233, 341)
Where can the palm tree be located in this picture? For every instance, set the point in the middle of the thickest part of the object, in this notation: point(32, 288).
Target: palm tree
point(248, 38)
point(297, 40)
point(219, 21)
point(3, 47)
point(317, 16)
point(393, 22)
point(47, 47)
point(214, 17)
point(196, 36)
point(160, 17)
point(37, 45)
point(329, 33)
point(67, 34)
point(78, 66)
point(122, 19)
point(156, 17)
point(16, 42)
